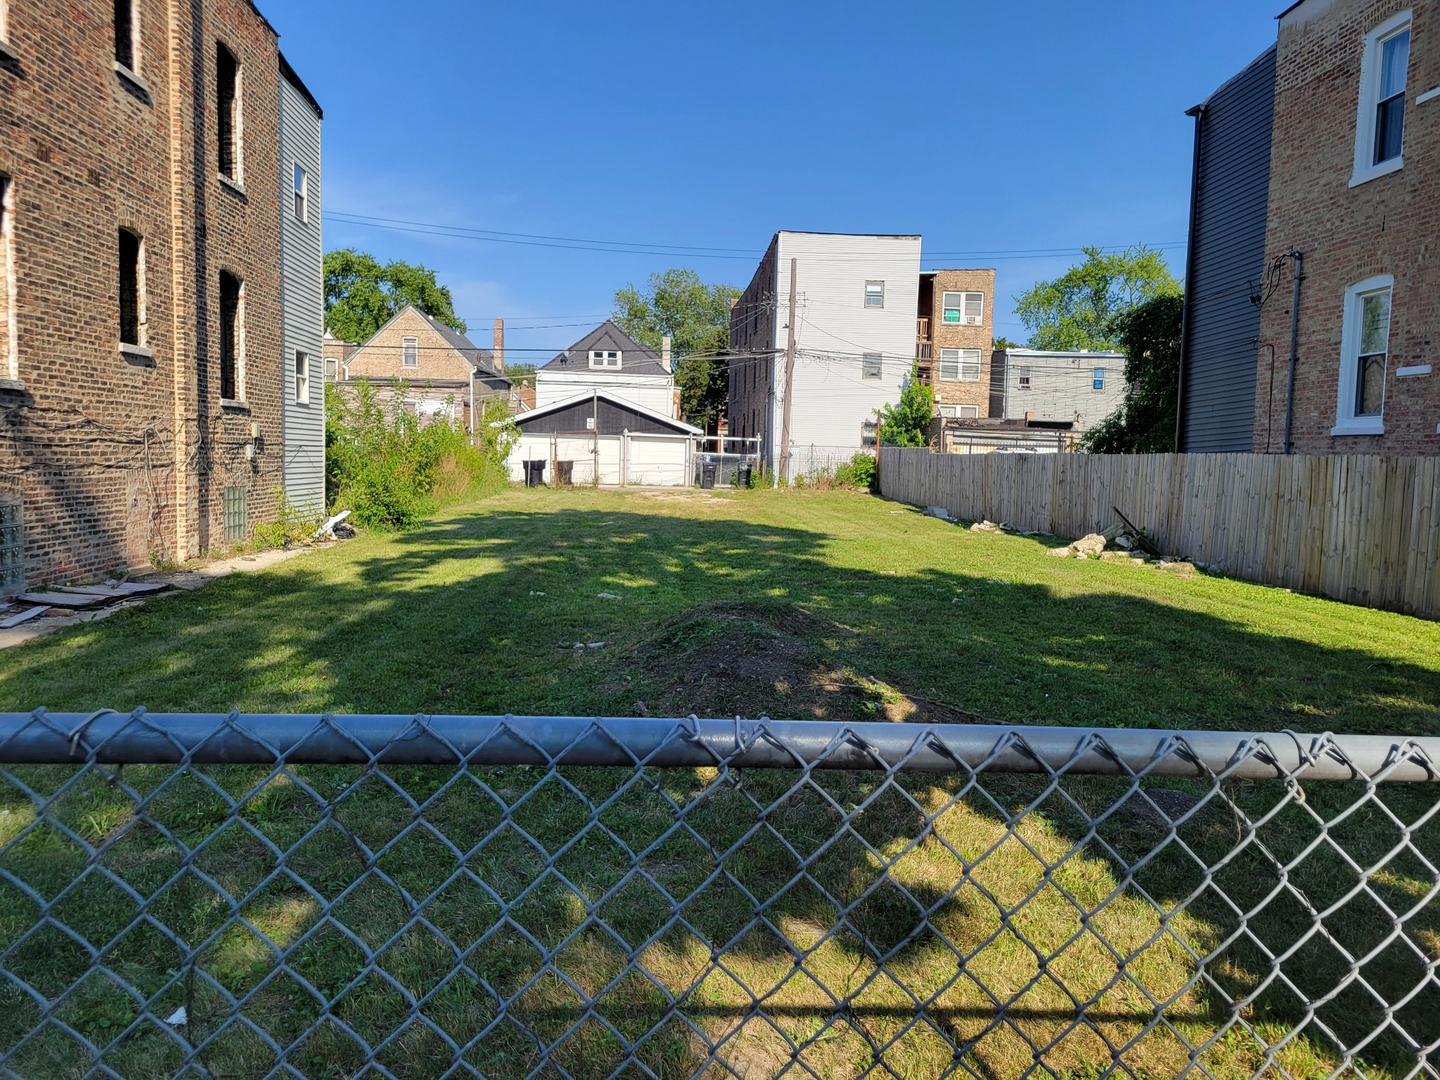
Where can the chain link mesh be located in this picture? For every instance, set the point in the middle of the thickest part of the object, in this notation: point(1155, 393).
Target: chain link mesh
point(918, 912)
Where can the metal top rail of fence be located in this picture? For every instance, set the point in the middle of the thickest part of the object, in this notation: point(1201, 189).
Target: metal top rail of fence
point(325, 896)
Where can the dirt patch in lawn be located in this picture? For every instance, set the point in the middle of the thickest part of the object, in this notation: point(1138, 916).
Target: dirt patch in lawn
point(736, 658)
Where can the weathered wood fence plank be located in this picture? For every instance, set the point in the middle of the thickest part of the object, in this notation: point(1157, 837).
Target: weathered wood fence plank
point(1361, 529)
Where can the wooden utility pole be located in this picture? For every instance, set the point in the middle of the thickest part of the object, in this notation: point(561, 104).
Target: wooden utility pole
point(784, 469)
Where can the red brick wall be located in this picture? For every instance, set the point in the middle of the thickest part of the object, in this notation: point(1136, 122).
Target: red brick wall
point(963, 337)
point(1388, 225)
point(118, 457)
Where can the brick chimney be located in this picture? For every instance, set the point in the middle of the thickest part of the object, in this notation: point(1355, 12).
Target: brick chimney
point(499, 345)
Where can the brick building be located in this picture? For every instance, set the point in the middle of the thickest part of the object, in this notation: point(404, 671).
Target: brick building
point(140, 306)
point(1351, 184)
point(440, 368)
point(954, 336)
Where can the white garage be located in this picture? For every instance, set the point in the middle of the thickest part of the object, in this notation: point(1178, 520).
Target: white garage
point(599, 434)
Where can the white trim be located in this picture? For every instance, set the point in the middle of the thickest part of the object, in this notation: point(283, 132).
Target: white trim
point(1365, 169)
point(600, 359)
point(964, 295)
point(1412, 370)
point(1429, 95)
point(624, 403)
point(1346, 422)
point(408, 342)
point(874, 307)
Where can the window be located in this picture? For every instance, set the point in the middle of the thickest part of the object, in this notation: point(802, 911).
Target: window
point(12, 547)
point(302, 378)
point(409, 352)
point(236, 512)
point(1098, 378)
point(302, 194)
point(960, 412)
point(874, 294)
point(9, 363)
point(1380, 127)
point(871, 366)
point(227, 103)
point(867, 433)
point(125, 34)
point(332, 369)
point(1024, 375)
point(962, 308)
point(132, 289)
point(604, 358)
point(232, 337)
point(1364, 350)
point(959, 365)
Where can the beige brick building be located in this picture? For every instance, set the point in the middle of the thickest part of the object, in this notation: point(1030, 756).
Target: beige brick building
point(954, 338)
point(1357, 192)
point(140, 302)
point(436, 363)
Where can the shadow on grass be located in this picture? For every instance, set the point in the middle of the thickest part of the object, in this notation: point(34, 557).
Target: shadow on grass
point(470, 615)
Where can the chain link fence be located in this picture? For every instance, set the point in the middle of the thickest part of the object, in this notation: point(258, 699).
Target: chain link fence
point(304, 896)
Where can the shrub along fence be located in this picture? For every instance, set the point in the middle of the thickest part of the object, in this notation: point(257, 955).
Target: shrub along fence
point(310, 896)
point(1362, 529)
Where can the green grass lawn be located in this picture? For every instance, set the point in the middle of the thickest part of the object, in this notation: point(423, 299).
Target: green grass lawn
point(792, 605)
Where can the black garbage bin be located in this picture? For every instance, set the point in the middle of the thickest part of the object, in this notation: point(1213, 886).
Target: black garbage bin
point(534, 474)
point(708, 469)
point(565, 472)
point(742, 476)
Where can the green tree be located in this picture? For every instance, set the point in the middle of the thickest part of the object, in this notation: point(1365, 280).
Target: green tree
point(1149, 335)
point(908, 423)
point(361, 295)
point(696, 318)
point(1079, 308)
point(1005, 343)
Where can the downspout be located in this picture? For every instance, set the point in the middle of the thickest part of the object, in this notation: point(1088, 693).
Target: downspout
point(1198, 112)
point(1299, 260)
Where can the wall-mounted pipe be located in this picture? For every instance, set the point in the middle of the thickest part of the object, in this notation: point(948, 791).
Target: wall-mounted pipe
point(1299, 260)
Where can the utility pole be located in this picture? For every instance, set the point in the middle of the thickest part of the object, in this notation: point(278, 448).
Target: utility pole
point(789, 385)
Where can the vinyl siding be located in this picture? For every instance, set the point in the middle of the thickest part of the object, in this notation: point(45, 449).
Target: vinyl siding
point(1227, 260)
point(834, 330)
point(1062, 386)
point(301, 303)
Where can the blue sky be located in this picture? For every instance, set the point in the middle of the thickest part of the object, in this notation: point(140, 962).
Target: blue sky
point(686, 134)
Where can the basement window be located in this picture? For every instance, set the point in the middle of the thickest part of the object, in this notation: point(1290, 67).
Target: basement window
point(1380, 127)
point(605, 358)
point(236, 512)
point(229, 117)
point(232, 337)
point(12, 548)
point(409, 352)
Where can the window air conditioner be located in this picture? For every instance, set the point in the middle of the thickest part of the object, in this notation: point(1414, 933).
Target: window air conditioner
point(971, 321)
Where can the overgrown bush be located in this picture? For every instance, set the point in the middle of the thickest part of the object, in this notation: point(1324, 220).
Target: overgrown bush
point(291, 526)
point(858, 472)
point(391, 471)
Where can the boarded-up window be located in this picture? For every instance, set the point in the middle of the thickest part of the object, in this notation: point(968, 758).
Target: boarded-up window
point(959, 365)
point(231, 336)
point(130, 302)
point(227, 103)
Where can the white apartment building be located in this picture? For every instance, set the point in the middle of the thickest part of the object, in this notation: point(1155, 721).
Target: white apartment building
point(856, 298)
point(1078, 388)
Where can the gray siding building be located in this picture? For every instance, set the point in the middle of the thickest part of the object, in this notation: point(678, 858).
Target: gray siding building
point(1226, 264)
point(302, 301)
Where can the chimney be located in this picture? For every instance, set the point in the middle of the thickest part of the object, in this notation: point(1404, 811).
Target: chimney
point(665, 353)
point(499, 346)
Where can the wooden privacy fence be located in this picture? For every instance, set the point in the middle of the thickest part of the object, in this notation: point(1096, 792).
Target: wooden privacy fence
point(1364, 530)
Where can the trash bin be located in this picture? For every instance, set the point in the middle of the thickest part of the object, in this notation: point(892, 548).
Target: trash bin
point(565, 472)
point(534, 474)
point(708, 470)
point(742, 477)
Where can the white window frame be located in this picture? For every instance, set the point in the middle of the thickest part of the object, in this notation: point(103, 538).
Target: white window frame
point(1022, 378)
point(1370, 73)
point(1346, 422)
point(606, 359)
point(409, 346)
point(302, 193)
point(1097, 375)
point(302, 377)
point(875, 307)
point(963, 320)
point(332, 369)
point(959, 357)
point(872, 365)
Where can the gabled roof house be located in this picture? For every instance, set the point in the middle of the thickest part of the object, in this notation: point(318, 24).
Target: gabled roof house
point(608, 359)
